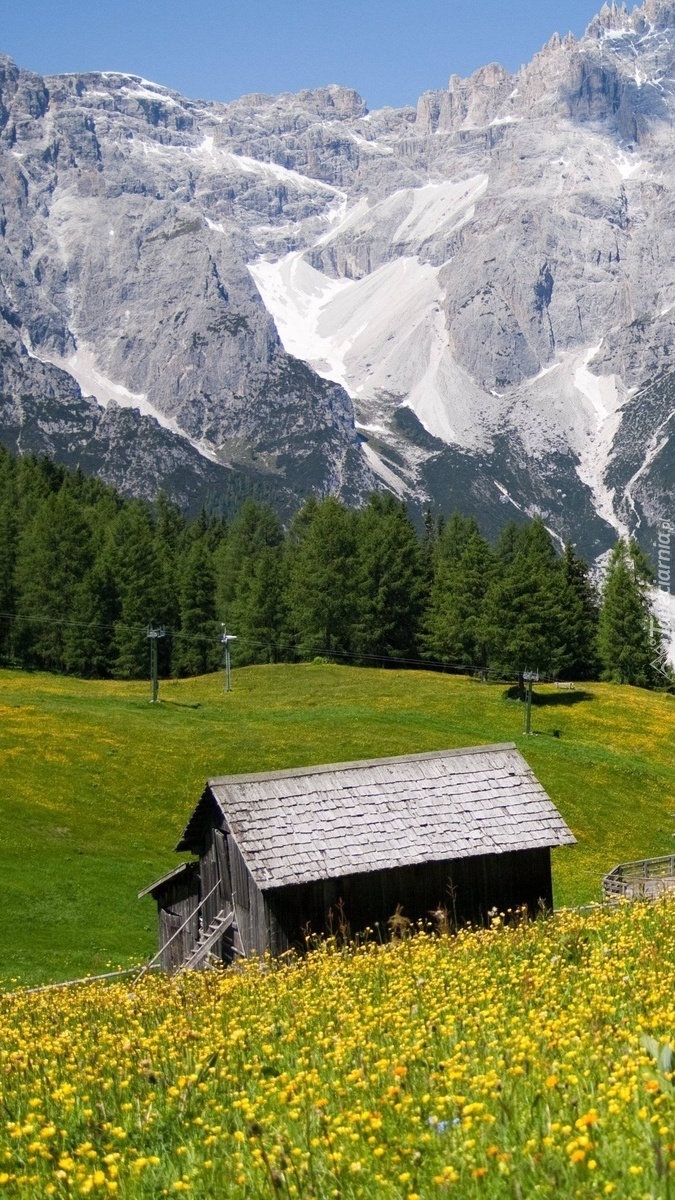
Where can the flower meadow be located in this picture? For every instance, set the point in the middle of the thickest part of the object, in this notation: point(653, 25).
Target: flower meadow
point(526, 1060)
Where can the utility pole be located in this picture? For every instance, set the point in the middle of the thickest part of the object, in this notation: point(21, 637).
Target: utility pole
point(226, 639)
point(153, 634)
point(530, 677)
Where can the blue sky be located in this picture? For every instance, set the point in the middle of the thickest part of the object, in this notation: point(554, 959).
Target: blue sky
point(389, 50)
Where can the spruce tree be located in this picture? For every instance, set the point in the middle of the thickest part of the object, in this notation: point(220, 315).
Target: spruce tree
point(453, 538)
point(172, 542)
point(321, 560)
point(624, 641)
point(132, 560)
point(433, 528)
point(9, 537)
point(523, 616)
point(454, 620)
point(248, 562)
point(258, 612)
point(512, 541)
point(88, 646)
point(197, 647)
point(581, 613)
point(53, 556)
point(389, 580)
point(254, 527)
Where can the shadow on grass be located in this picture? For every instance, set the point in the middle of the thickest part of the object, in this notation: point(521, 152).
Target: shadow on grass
point(551, 699)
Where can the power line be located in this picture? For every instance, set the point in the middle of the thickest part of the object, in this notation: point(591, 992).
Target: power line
point(304, 651)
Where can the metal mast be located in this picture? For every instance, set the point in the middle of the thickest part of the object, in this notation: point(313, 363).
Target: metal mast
point(226, 639)
point(153, 634)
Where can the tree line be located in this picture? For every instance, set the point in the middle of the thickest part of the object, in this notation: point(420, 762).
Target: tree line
point(85, 571)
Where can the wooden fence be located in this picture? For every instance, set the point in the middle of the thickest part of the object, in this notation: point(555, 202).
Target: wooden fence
point(643, 880)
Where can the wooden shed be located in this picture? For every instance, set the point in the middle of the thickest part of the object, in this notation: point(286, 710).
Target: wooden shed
point(280, 852)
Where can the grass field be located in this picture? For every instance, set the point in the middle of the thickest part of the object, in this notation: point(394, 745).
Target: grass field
point(500, 1064)
point(96, 783)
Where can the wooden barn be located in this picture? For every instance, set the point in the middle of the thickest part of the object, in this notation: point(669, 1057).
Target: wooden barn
point(281, 852)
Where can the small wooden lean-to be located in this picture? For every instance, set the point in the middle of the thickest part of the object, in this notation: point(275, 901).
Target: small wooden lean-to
point(284, 853)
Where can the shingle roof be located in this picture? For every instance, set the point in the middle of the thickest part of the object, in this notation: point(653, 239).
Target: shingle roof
point(183, 871)
point(346, 818)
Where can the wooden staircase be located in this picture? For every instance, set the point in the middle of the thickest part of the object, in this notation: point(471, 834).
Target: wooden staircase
point(207, 940)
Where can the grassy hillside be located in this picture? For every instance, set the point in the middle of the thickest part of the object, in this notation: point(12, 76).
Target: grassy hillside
point(96, 783)
point(502, 1064)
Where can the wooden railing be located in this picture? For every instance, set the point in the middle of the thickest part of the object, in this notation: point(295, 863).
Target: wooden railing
point(645, 879)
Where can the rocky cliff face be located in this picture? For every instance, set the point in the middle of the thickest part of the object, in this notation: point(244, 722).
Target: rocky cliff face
point(114, 277)
point(471, 302)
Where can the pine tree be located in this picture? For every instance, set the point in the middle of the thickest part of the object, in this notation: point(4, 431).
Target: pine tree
point(172, 543)
point(321, 586)
point(454, 621)
point(132, 560)
point(54, 554)
point(250, 584)
point(197, 647)
point(624, 641)
point(581, 611)
point(89, 641)
point(389, 580)
point(254, 527)
point(88, 647)
point(512, 541)
point(523, 619)
point(37, 478)
point(9, 538)
point(433, 528)
point(259, 609)
point(453, 538)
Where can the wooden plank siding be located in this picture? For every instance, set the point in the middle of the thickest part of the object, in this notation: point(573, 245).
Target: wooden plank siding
point(504, 881)
point(280, 919)
point(177, 903)
point(249, 903)
point(296, 851)
point(210, 874)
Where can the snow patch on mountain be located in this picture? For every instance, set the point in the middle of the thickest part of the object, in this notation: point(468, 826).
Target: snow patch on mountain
point(606, 397)
point(297, 295)
point(209, 154)
point(92, 382)
point(433, 207)
point(411, 216)
point(382, 335)
point(657, 443)
point(385, 473)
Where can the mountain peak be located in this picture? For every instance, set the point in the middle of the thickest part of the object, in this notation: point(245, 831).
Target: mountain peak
point(615, 19)
point(322, 298)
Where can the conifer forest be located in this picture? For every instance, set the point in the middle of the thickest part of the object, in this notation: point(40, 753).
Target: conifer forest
point(84, 572)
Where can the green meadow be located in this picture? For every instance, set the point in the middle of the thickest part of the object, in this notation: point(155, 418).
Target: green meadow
point(96, 783)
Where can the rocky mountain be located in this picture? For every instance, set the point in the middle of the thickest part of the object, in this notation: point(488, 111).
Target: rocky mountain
point(471, 302)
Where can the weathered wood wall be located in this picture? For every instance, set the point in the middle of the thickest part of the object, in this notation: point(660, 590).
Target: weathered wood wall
point(280, 919)
point(178, 902)
point(496, 880)
point(221, 860)
point(248, 902)
point(210, 873)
